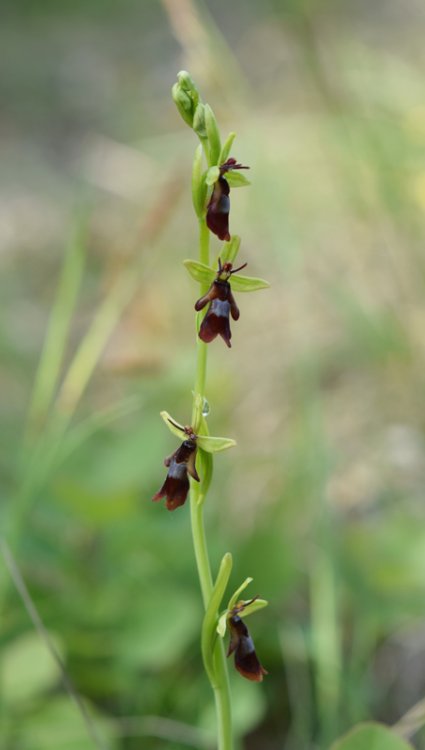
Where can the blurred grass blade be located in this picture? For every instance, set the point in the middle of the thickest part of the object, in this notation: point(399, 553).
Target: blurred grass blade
point(83, 431)
point(58, 329)
point(38, 623)
point(93, 344)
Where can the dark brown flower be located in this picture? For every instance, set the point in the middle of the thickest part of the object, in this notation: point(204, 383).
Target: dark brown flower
point(219, 205)
point(180, 464)
point(242, 645)
point(222, 303)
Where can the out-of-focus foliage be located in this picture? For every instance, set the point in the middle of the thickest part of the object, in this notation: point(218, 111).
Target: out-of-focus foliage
point(322, 499)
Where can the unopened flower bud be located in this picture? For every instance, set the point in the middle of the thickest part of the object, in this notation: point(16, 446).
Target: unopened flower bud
point(199, 125)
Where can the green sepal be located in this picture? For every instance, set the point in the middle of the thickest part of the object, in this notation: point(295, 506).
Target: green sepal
point(199, 271)
point(212, 134)
point(199, 125)
point(212, 176)
point(248, 283)
point(230, 250)
point(199, 188)
point(254, 607)
point(214, 444)
point(227, 145)
point(209, 624)
point(176, 430)
point(236, 179)
point(235, 597)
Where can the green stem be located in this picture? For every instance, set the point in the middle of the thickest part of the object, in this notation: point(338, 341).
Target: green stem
point(221, 684)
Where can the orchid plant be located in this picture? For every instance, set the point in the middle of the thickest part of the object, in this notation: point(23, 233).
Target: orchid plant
point(190, 467)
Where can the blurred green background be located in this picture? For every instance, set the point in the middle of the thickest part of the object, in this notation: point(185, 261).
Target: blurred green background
point(322, 499)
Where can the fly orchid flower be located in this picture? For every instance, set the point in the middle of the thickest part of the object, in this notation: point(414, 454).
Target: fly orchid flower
point(180, 465)
point(242, 645)
point(221, 304)
point(219, 204)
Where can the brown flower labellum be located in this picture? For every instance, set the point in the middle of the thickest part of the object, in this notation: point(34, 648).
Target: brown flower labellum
point(242, 645)
point(222, 302)
point(180, 465)
point(219, 205)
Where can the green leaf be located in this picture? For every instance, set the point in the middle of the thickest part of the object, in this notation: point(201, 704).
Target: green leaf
point(236, 179)
point(213, 134)
point(28, 668)
point(225, 151)
point(215, 444)
point(176, 428)
point(248, 283)
point(210, 619)
point(230, 250)
point(212, 176)
point(199, 189)
point(200, 272)
point(371, 736)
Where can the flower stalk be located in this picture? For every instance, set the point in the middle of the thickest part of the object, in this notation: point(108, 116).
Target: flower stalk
point(190, 466)
point(218, 676)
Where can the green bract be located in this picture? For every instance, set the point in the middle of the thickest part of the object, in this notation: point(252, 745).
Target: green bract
point(212, 134)
point(227, 145)
point(210, 619)
point(230, 249)
point(199, 188)
point(212, 176)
